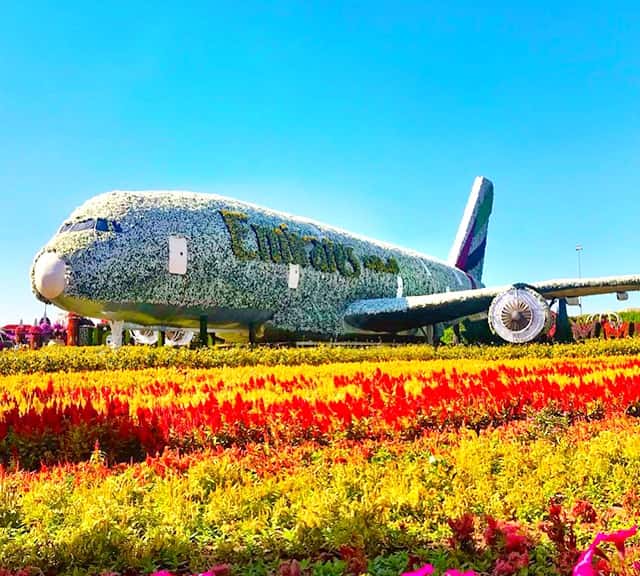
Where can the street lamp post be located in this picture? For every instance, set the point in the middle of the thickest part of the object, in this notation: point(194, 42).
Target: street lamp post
point(579, 251)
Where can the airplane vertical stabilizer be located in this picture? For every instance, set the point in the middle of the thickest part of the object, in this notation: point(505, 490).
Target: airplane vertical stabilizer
point(467, 252)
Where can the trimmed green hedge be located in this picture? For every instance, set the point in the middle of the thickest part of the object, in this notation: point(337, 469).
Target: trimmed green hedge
point(137, 357)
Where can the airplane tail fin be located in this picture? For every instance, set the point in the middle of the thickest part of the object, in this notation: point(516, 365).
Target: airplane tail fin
point(467, 252)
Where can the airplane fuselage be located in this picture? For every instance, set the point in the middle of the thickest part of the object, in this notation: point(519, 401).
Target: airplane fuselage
point(169, 258)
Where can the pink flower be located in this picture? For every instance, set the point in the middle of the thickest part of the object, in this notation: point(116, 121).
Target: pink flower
point(162, 573)
point(426, 570)
point(584, 567)
point(454, 572)
point(618, 538)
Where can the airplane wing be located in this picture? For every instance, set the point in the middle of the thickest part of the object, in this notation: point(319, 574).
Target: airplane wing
point(398, 314)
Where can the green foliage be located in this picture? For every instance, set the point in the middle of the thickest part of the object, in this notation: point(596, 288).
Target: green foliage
point(331, 568)
point(233, 221)
point(391, 565)
point(280, 245)
point(472, 332)
point(225, 508)
point(377, 264)
point(630, 315)
point(78, 359)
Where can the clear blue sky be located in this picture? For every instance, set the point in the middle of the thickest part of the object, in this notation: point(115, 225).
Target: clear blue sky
point(372, 116)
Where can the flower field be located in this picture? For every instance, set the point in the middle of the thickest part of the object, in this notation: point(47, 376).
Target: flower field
point(507, 466)
point(91, 358)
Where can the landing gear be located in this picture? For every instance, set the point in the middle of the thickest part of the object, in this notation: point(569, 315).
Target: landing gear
point(429, 334)
point(204, 334)
point(563, 325)
point(115, 340)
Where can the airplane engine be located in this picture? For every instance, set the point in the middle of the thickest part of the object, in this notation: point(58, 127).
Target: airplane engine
point(149, 337)
point(178, 337)
point(145, 336)
point(519, 315)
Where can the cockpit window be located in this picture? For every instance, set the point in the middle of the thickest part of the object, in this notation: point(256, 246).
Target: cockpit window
point(102, 225)
point(83, 225)
point(99, 225)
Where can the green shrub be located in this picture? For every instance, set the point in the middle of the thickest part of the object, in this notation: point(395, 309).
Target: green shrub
point(138, 357)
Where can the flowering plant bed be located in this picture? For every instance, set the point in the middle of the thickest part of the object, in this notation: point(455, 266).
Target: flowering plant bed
point(79, 359)
point(500, 467)
point(132, 414)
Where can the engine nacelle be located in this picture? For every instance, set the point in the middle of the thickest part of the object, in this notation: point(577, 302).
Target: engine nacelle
point(178, 337)
point(149, 337)
point(519, 315)
point(145, 336)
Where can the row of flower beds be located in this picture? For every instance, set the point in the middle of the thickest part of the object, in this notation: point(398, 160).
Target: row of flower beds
point(501, 467)
point(132, 414)
point(78, 359)
point(527, 497)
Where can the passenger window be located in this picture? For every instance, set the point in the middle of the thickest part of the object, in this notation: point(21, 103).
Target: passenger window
point(116, 226)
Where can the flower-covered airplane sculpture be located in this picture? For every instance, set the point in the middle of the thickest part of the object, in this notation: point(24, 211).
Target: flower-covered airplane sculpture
point(181, 259)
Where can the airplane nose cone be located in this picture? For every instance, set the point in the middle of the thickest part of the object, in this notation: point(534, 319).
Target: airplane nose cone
point(49, 275)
